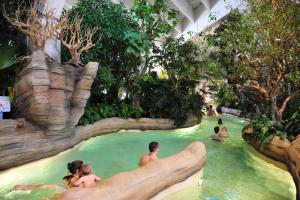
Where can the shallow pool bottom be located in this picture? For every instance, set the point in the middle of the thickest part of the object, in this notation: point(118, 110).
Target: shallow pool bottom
point(231, 172)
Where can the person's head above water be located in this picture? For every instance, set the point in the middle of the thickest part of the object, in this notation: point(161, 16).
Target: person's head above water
point(74, 166)
point(86, 169)
point(220, 121)
point(153, 147)
point(216, 129)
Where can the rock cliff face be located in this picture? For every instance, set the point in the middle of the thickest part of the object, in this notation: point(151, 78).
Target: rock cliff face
point(283, 151)
point(53, 96)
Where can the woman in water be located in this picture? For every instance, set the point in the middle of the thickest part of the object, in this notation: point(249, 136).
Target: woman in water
point(69, 181)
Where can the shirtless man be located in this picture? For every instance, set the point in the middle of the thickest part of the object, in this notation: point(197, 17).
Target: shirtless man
point(88, 179)
point(217, 135)
point(154, 149)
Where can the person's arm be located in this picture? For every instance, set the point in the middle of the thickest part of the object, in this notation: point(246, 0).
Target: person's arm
point(143, 161)
point(97, 178)
point(78, 183)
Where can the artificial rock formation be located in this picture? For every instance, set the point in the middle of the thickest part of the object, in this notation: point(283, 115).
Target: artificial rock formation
point(21, 142)
point(53, 96)
point(145, 182)
point(50, 99)
point(283, 151)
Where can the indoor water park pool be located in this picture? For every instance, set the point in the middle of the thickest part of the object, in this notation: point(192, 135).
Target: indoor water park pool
point(231, 172)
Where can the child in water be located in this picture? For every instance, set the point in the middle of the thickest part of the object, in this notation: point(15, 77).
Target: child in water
point(88, 179)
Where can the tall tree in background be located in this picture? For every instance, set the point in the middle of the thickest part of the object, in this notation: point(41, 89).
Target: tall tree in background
point(156, 21)
point(262, 52)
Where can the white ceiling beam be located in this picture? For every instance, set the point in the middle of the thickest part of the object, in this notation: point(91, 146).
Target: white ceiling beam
point(178, 27)
point(185, 8)
point(206, 4)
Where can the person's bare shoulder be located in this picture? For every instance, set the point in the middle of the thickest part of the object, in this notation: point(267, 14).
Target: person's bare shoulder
point(144, 160)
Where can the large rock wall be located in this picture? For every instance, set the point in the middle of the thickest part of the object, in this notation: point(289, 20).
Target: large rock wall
point(53, 96)
point(283, 151)
point(145, 182)
point(21, 142)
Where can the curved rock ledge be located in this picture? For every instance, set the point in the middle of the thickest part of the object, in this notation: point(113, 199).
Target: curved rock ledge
point(21, 142)
point(284, 151)
point(145, 182)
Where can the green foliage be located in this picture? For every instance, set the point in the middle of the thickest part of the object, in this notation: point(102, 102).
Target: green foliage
point(160, 99)
point(292, 125)
point(116, 63)
point(127, 50)
point(265, 129)
point(102, 111)
point(8, 58)
point(225, 94)
point(258, 48)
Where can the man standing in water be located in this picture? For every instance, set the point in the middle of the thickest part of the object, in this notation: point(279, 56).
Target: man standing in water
point(153, 151)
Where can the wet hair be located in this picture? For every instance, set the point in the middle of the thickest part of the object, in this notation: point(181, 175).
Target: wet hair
point(86, 169)
point(210, 106)
point(216, 129)
point(153, 146)
point(73, 167)
point(220, 121)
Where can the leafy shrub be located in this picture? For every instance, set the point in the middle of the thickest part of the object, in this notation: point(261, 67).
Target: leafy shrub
point(265, 129)
point(97, 112)
point(292, 125)
point(160, 99)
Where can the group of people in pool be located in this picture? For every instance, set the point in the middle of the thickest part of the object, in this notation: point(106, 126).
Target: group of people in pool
point(220, 131)
point(81, 174)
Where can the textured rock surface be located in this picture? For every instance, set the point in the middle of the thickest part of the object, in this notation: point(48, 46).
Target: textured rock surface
point(145, 182)
point(283, 151)
point(21, 142)
point(293, 163)
point(53, 96)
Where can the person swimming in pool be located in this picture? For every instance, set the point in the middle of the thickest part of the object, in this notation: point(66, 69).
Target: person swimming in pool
point(69, 180)
point(217, 135)
point(153, 151)
point(222, 129)
point(88, 179)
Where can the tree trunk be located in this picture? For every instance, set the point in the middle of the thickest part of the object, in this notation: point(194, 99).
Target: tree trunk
point(273, 106)
point(136, 99)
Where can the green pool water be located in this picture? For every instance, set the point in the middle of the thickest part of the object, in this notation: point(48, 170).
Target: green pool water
point(231, 172)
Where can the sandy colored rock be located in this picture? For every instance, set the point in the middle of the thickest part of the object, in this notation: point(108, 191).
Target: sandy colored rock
point(293, 163)
point(45, 89)
point(145, 182)
point(281, 150)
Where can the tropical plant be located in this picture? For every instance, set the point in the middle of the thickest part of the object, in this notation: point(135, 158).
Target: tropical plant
point(156, 22)
point(265, 129)
point(114, 23)
point(174, 103)
point(102, 111)
point(292, 125)
point(8, 58)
